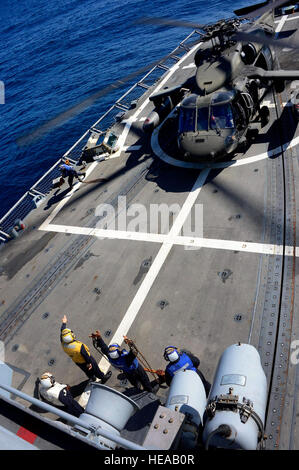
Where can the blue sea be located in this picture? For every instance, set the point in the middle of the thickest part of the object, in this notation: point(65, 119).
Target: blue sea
point(53, 54)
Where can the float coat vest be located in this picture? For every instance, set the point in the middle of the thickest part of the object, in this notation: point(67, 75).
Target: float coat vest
point(184, 363)
point(73, 350)
point(67, 170)
point(52, 394)
point(121, 363)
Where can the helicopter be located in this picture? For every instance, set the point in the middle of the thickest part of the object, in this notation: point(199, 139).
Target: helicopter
point(216, 107)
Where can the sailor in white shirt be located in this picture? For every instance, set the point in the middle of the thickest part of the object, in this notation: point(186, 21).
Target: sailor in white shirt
point(58, 394)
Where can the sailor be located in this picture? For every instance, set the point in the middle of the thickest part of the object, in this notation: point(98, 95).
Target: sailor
point(80, 354)
point(222, 117)
point(69, 171)
point(182, 360)
point(58, 394)
point(124, 360)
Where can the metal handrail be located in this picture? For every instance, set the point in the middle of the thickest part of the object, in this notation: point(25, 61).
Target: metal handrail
point(73, 420)
point(13, 207)
point(45, 174)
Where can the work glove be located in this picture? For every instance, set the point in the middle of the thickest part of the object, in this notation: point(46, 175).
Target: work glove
point(128, 341)
point(161, 376)
point(97, 334)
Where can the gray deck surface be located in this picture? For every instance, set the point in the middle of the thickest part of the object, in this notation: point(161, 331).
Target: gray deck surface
point(93, 281)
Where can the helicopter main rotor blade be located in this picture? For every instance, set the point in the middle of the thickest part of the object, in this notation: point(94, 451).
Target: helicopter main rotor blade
point(265, 40)
point(249, 12)
point(246, 10)
point(252, 12)
point(71, 112)
point(169, 22)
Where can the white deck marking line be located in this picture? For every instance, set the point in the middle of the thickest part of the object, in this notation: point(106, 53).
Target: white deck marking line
point(131, 148)
point(64, 200)
point(107, 233)
point(230, 164)
point(288, 19)
point(190, 66)
point(151, 276)
point(282, 21)
point(157, 264)
point(122, 137)
point(230, 245)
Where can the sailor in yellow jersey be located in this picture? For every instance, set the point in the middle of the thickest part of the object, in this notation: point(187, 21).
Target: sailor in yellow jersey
point(80, 354)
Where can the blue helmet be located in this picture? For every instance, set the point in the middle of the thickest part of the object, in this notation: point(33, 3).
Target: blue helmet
point(114, 351)
point(171, 354)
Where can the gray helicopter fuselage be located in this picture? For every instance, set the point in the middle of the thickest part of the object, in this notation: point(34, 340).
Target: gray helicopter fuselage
point(222, 68)
point(207, 126)
point(227, 75)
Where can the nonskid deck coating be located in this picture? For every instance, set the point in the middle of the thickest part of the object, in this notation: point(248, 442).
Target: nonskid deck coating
point(101, 286)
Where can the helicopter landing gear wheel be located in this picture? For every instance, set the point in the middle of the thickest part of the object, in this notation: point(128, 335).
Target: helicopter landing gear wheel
point(264, 115)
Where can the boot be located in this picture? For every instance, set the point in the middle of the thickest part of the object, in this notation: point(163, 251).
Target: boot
point(155, 387)
point(106, 377)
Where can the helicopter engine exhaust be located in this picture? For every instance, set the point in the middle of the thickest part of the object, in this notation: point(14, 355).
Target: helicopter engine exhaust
point(158, 114)
point(250, 50)
point(165, 101)
point(249, 53)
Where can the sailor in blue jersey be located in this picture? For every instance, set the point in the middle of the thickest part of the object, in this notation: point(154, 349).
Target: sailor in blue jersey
point(67, 171)
point(182, 360)
point(124, 360)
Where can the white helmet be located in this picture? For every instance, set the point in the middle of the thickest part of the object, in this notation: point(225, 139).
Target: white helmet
point(47, 380)
point(114, 352)
point(67, 336)
point(171, 354)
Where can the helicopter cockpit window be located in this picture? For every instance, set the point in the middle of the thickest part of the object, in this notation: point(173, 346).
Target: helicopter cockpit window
point(221, 117)
point(202, 119)
point(187, 120)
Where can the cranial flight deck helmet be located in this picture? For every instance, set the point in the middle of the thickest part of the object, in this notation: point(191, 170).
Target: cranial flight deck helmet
point(114, 352)
point(47, 380)
point(171, 354)
point(67, 335)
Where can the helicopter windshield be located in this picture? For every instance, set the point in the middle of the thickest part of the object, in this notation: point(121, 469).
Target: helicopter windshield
point(187, 120)
point(221, 116)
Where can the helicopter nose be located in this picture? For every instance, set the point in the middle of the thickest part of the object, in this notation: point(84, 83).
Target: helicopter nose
point(202, 146)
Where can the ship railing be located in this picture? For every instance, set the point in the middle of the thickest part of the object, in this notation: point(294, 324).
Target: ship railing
point(36, 194)
point(72, 420)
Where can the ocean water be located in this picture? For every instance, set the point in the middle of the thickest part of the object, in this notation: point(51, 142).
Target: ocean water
point(53, 54)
